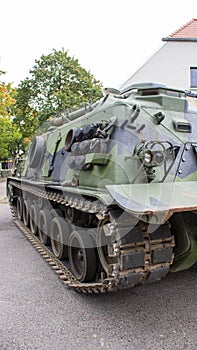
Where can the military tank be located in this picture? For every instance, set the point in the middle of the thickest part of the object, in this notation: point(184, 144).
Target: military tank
point(108, 194)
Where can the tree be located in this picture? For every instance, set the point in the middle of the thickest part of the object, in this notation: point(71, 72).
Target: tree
point(7, 99)
point(25, 116)
point(10, 136)
point(57, 83)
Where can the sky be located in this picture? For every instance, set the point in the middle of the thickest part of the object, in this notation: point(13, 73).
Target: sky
point(110, 38)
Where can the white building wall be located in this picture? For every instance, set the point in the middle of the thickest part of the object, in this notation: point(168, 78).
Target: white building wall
point(170, 66)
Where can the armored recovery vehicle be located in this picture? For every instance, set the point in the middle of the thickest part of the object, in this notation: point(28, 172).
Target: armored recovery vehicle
point(112, 190)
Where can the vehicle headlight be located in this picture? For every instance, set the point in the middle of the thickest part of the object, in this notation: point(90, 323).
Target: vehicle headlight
point(158, 158)
point(148, 157)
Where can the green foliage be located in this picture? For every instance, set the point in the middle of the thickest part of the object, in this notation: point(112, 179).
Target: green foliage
point(10, 136)
point(7, 99)
point(57, 83)
point(25, 116)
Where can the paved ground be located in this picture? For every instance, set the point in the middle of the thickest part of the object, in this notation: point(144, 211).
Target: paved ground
point(2, 189)
point(38, 312)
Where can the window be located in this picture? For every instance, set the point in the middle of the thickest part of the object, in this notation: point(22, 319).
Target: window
point(193, 77)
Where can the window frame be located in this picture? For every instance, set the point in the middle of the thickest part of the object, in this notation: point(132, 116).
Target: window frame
point(193, 79)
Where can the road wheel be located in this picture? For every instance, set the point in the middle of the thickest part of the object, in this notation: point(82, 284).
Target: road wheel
point(19, 208)
point(26, 216)
point(82, 256)
point(59, 233)
point(33, 221)
point(44, 220)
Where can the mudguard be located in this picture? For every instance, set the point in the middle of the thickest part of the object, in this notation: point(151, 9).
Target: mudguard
point(158, 199)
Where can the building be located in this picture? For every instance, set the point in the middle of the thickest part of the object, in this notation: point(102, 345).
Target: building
point(175, 63)
point(6, 168)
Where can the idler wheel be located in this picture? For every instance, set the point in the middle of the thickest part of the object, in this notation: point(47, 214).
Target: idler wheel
point(33, 221)
point(59, 233)
point(19, 208)
point(44, 220)
point(82, 256)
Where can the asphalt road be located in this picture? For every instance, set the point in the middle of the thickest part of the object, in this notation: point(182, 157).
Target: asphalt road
point(2, 189)
point(37, 311)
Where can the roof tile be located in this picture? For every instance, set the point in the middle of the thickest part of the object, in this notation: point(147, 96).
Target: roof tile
point(189, 31)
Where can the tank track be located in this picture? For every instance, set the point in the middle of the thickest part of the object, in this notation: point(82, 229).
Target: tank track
point(65, 275)
point(153, 254)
